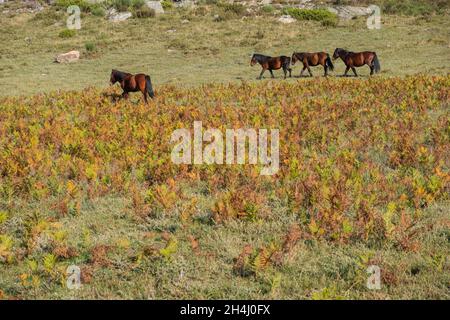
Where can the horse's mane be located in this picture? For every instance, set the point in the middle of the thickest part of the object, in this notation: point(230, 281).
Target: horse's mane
point(345, 52)
point(120, 75)
point(261, 57)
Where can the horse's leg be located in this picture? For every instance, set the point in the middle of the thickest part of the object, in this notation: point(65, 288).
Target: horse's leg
point(145, 96)
point(303, 70)
point(346, 71)
point(271, 72)
point(125, 95)
point(261, 74)
point(309, 70)
point(325, 67)
point(286, 68)
point(371, 69)
point(354, 71)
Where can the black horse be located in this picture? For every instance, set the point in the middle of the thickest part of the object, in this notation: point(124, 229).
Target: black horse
point(132, 83)
point(272, 63)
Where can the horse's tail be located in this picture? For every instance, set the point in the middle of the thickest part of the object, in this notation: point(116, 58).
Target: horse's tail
point(288, 63)
point(149, 87)
point(329, 62)
point(376, 63)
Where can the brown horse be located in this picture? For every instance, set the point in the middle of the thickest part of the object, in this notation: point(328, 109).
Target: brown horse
point(132, 83)
point(358, 59)
point(269, 63)
point(313, 59)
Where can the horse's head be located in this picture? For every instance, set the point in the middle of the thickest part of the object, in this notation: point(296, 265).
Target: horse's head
point(253, 61)
point(294, 58)
point(337, 53)
point(113, 78)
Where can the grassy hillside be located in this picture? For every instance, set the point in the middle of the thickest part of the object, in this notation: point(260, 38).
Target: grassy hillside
point(364, 180)
point(210, 43)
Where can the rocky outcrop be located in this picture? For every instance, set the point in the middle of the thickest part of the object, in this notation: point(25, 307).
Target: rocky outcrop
point(286, 19)
point(115, 16)
point(155, 5)
point(349, 12)
point(68, 57)
point(184, 4)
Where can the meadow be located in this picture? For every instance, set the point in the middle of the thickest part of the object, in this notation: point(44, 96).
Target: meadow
point(215, 45)
point(363, 180)
point(86, 179)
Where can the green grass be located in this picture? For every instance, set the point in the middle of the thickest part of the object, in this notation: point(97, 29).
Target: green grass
point(203, 50)
point(312, 269)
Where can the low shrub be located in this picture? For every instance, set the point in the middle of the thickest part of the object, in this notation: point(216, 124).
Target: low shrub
point(323, 15)
point(229, 11)
point(414, 7)
point(404, 7)
point(166, 5)
point(47, 17)
point(90, 46)
point(67, 33)
point(144, 12)
point(98, 11)
point(137, 4)
point(84, 5)
point(234, 8)
point(268, 9)
point(121, 5)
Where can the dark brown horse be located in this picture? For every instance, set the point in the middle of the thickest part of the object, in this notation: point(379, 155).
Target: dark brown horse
point(269, 63)
point(132, 83)
point(358, 59)
point(313, 59)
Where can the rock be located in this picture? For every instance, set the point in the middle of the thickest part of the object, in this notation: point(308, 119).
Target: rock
point(307, 4)
point(36, 7)
point(184, 21)
point(286, 19)
point(27, 7)
point(155, 5)
point(115, 16)
point(184, 4)
point(68, 57)
point(111, 12)
point(349, 12)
